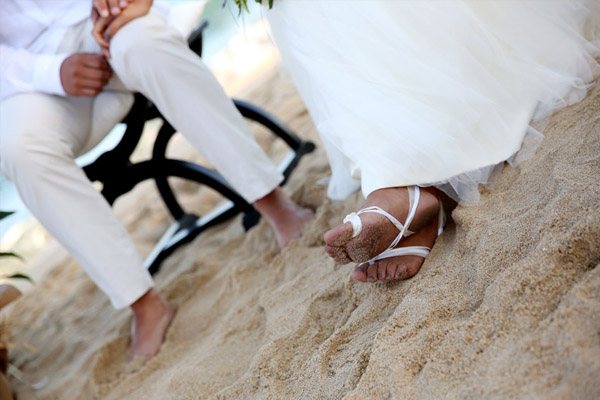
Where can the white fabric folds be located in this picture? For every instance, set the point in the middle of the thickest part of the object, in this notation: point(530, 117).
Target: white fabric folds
point(433, 92)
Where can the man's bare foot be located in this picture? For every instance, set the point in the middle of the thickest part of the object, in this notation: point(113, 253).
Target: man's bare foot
point(287, 218)
point(378, 232)
point(152, 318)
point(401, 267)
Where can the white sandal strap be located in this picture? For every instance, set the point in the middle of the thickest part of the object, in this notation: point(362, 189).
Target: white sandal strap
point(413, 195)
point(356, 223)
point(420, 251)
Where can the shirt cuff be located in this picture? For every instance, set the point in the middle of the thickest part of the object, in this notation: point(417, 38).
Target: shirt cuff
point(46, 73)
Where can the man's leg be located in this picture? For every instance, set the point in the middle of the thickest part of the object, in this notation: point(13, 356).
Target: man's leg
point(152, 58)
point(37, 152)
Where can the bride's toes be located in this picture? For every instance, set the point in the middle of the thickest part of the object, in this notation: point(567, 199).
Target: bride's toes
point(372, 274)
point(339, 254)
point(360, 273)
point(382, 272)
point(400, 267)
point(339, 235)
point(397, 268)
point(390, 271)
point(409, 267)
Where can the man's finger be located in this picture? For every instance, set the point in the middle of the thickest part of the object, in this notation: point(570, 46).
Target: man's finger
point(93, 84)
point(115, 25)
point(98, 31)
point(88, 92)
point(102, 7)
point(106, 53)
point(96, 74)
point(95, 61)
point(95, 15)
point(115, 8)
point(85, 91)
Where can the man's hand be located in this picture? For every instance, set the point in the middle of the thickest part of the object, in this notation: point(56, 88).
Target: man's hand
point(84, 74)
point(106, 27)
point(106, 8)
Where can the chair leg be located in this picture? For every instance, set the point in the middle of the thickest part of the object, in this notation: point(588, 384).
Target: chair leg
point(118, 176)
point(159, 151)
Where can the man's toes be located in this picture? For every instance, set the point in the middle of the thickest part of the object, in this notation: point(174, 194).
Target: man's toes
point(148, 336)
point(339, 254)
point(338, 236)
point(360, 273)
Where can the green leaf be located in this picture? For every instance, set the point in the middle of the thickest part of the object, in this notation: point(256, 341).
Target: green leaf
point(242, 5)
point(270, 2)
point(4, 214)
point(20, 276)
point(10, 254)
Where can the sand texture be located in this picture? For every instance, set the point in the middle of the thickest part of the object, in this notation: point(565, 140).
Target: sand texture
point(506, 306)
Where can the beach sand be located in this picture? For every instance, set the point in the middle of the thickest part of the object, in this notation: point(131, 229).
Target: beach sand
point(506, 306)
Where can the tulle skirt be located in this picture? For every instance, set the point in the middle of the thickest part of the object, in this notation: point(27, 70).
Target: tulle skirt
point(433, 92)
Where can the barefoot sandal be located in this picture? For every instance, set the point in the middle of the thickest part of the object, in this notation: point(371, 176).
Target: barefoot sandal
point(414, 195)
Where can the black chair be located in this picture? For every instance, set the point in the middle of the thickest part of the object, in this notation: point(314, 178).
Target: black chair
point(119, 175)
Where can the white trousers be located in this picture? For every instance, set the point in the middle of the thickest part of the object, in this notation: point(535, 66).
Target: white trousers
point(41, 135)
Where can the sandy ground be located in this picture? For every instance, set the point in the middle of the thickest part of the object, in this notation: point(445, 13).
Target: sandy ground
point(506, 306)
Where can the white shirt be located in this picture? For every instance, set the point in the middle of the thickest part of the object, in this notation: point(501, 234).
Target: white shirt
point(31, 32)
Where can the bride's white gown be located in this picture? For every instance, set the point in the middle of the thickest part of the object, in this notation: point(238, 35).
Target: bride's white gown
point(433, 92)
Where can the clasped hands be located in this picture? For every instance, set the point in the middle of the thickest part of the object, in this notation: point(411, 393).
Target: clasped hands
point(110, 15)
point(86, 74)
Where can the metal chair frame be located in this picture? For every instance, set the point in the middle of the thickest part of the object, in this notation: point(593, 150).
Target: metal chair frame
point(119, 175)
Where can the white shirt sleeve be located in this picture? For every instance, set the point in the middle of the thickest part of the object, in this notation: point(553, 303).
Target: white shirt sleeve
point(23, 71)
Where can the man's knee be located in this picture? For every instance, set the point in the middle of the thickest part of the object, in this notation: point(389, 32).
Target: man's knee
point(137, 45)
point(29, 154)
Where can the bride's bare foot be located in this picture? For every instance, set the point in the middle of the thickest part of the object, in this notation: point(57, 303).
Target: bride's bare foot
point(378, 232)
point(287, 218)
point(401, 267)
point(152, 318)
